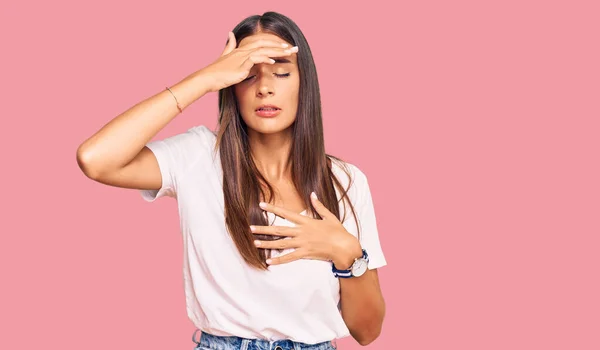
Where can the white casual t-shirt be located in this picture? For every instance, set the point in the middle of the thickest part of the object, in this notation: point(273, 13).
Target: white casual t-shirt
point(298, 300)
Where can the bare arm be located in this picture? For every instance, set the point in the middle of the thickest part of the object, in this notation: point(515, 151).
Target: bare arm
point(116, 154)
point(363, 307)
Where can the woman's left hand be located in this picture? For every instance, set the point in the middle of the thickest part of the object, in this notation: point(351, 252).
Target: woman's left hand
point(325, 239)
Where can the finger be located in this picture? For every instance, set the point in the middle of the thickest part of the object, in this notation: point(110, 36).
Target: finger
point(320, 207)
point(285, 231)
point(264, 43)
point(284, 213)
point(231, 44)
point(274, 52)
point(252, 60)
point(264, 57)
point(278, 244)
point(286, 258)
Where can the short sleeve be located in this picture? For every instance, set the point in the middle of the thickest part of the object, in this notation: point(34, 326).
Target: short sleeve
point(175, 155)
point(360, 195)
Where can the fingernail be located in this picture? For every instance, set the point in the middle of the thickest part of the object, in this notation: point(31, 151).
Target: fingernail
point(269, 261)
point(252, 228)
point(314, 195)
point(257, 243)
point(285, 45)
point(262, 205)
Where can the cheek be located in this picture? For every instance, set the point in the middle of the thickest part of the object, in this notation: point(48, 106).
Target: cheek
point(291, 89)
point(242, 95)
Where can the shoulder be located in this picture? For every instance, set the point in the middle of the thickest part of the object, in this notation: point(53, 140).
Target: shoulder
point(195, 135)
point(203, 130)
point(202, 143)
point(195, 141)
point(181, 151)
point(203, 133)
point(349, 174)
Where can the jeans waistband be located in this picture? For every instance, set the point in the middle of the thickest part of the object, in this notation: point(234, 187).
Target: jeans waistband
point(215, 342)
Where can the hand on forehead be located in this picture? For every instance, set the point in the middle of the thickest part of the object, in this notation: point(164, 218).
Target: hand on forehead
point(261, 36)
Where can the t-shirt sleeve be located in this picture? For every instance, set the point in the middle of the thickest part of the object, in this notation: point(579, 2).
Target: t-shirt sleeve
point(365, 212)
point(175, 155)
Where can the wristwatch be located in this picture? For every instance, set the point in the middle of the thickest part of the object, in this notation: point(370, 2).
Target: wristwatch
point(358, 268)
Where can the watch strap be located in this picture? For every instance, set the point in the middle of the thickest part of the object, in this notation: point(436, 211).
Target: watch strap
point(347, 273)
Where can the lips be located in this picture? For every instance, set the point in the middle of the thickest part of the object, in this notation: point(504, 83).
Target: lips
point(267, 111)
point(267, 108)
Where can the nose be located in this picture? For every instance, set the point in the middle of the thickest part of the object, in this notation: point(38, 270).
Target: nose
point(265, 85)
point(265, 90)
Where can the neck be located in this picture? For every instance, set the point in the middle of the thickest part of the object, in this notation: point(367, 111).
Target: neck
point(270, 153)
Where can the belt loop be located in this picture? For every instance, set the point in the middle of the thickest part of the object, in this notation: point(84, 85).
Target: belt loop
point(194, 337)
point(245, 343)
point(334, 343)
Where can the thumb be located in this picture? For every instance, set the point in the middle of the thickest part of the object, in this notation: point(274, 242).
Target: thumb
point(231, 44)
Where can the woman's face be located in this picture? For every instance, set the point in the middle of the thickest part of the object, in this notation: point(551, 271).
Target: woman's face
point(275, 84)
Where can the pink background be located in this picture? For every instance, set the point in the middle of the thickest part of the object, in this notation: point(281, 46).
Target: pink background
point(477, 125)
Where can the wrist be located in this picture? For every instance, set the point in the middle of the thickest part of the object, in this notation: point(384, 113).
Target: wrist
point(203, 82)
point(346, 254)
point(200, 83)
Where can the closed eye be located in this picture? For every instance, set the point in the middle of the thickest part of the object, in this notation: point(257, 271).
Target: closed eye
point(285, 75)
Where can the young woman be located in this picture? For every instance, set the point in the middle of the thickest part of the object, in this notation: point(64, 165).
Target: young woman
point(267, 264)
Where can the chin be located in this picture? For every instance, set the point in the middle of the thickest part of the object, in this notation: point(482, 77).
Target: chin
point(269, 125)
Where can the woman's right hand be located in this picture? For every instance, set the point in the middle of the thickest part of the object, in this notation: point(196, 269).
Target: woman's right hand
point(234, 64)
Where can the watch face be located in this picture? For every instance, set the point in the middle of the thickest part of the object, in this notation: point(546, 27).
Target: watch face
point(360, 267)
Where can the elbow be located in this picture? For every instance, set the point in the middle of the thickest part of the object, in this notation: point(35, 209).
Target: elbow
point(366, 333)
point(85, 163)
point(368, 338)
point(369, 331)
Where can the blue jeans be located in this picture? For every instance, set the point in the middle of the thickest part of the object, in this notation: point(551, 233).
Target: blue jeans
point(213, 342)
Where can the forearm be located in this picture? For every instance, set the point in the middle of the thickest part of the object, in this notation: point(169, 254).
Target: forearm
point(122, 138)
point(362, 304)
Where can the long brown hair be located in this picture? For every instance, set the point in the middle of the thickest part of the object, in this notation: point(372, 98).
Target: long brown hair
point(311, 167)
